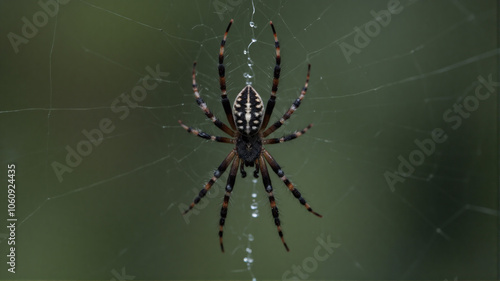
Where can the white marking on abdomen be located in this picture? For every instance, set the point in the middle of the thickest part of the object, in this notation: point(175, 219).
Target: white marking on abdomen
point(248, 114)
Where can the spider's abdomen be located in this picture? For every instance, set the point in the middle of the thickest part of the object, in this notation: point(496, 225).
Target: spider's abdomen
point(248, 110)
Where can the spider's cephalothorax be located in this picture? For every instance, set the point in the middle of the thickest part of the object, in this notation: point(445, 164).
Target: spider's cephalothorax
point(248, 130)
point(248, 149)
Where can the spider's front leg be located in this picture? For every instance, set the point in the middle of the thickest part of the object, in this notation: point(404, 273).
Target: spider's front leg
point(220, 170)
point(269, 189)
point(229, 188)
point(277, 169)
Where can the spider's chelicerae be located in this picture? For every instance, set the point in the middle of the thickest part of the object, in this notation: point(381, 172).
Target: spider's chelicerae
point(248, 132)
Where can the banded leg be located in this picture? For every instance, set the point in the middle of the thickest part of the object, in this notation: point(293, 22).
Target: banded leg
point(269, 189)
point(229, 188)
point(277, 169)
point(276, 79)
point(287, 138)
point(207, 136)
point(292, 109)
point(222, 81)
point(205, 109)
point(220, 170)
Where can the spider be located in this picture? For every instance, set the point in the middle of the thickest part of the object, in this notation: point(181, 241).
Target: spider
point(248, 132)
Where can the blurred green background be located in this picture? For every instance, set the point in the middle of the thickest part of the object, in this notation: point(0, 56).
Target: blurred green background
point(376, 87)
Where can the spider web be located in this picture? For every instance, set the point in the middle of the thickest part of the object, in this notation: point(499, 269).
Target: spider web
point(89, 113)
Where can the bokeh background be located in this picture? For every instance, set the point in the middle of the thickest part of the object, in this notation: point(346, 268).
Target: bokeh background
point(116, 214)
